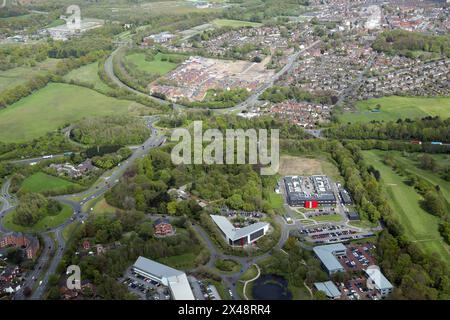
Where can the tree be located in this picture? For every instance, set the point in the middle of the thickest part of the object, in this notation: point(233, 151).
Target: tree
point(145, 230)
point(319, 295)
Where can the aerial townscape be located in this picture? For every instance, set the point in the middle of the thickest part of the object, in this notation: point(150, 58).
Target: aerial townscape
point(92, 94)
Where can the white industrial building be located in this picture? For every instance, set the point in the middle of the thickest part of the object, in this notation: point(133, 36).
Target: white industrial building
point(240, 236)
point(174, 279)
point(327, 255)
point(379, 282)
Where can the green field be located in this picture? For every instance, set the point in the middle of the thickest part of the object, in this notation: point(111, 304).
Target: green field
point(43, 224)
point(394, 107)
point(41, 182)
point(54, 106)
point(88, 74)
point(16, 76)
point(411, 165)
point(234, 23)
point(155, 66)
point(183, 261)
point(330, 217)
point(420, 226)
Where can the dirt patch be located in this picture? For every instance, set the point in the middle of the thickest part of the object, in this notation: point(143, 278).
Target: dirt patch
point(290, 165)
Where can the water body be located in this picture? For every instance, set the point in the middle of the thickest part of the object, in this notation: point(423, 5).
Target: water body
point(271, 287)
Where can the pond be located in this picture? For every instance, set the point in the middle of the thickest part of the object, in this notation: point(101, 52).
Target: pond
point(271, 287)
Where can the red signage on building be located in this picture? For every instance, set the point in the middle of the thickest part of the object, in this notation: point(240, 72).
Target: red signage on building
point(311, 204)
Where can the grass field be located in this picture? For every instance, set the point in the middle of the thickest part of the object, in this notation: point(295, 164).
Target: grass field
point(234, 23)
point(330, 217)
point(16, 76)
point(54, 106)
point(411, 166)
point(394, 107)
point(420, 226)
point(156, 65)
point(41, 182)
point(69, 229)
point(43, 224)
point(183, 261)
point(88, 74)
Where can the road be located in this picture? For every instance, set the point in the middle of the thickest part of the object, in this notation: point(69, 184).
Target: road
point(109, 69)
point(353, 88)
point(250, 101)
point(53, 255)
point(254, 97)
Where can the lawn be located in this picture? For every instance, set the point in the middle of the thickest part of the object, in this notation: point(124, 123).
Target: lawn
point(412, 166)
point(330, 217)
point(88, 74)
point(228, 265)
point(43, 224)
point(16, 76)
point(102, 207)
point(41, 182)
point(54, 106)
point(234, 23)
point(69, 230)
point(156, 65)
point(394, 107)
point(182, 261)
point(420, 226)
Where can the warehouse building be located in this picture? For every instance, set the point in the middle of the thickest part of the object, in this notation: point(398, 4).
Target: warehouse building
point(327, 255)
point(243, 236)
point(174, 279)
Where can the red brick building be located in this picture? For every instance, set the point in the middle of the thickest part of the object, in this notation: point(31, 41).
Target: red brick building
point(17, 239)
point(163, 227)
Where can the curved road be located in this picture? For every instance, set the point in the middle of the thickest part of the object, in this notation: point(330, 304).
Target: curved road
point(250, 101)
point(51, 255)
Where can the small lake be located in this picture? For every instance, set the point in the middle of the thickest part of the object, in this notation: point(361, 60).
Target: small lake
point(271, 287)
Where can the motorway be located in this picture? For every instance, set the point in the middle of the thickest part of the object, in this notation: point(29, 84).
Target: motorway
point(51, 255)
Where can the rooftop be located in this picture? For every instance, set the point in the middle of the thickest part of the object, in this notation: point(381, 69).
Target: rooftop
point(326, 255)
point(328, 288)
point(234, 233)
point(378, 278)
point(156, 268)
point(177, 280)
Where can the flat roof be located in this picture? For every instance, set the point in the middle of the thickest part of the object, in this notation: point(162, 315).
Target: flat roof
point(234, 233)
point(328, 288)
point(177, 280)
point(155, 268)
point(378, 278)
point(181, 290)
point(326, 255)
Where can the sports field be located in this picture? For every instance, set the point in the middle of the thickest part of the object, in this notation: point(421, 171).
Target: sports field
point(54, 106)
point(88, 74)
point(41, 225)
point(394, 107)
point(420, 226)
point(42, 182)
point(156, 65)
point(16, 76)
point(234, 23)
